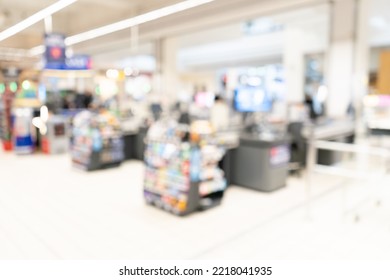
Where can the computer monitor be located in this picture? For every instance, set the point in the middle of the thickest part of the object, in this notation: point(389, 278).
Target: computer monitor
point(252, 99)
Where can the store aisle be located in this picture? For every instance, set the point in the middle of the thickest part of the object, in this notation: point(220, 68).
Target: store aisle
point(48, 210)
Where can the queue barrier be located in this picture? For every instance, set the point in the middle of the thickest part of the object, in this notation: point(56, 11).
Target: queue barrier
point(314, 168)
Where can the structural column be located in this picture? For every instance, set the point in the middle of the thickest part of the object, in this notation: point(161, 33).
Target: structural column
point(166, 81)
point(348, 56)
point(293, 60)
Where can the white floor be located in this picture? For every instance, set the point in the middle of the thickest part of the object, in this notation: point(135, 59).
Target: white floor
point(48, 210)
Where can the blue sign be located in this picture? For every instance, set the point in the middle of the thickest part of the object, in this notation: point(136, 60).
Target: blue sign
point(54, 50)
point(56, 58)
point(78, 62)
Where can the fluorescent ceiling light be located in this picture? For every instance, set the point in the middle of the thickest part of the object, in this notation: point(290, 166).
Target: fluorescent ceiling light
point(137, 20)
point(127, 23)
point(35, 18)
point(13, 52)
point(38, 50)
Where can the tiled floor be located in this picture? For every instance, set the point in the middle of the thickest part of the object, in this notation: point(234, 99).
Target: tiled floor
point(50, 211)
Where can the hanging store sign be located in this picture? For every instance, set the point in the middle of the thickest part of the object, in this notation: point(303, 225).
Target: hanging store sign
point(55, 49)
point(78, 62)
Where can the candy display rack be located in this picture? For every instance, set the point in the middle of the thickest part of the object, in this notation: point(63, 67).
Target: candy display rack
point(6, 99)
point(97, 141)
point(182, 174)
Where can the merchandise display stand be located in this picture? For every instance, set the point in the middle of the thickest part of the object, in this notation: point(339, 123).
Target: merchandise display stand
point(182, 175)
point(6, 100)
point(56, 140)
point(97, 141)
point(24, 134)
point(25, 107)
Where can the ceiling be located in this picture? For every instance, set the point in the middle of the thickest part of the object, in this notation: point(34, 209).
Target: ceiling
point(81, 16)
point(88, 14)
point(85, 15)
point(232, 46)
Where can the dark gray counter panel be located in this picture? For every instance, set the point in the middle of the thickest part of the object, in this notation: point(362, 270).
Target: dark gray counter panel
point(260, 164)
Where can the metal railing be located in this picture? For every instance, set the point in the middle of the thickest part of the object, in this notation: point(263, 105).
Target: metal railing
point(315, 168)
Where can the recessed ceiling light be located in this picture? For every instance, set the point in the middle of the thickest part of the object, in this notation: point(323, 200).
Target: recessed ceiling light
point(38, 50)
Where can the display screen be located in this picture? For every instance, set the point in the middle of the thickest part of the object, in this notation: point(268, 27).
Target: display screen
point(204, 99)
point(252, 99)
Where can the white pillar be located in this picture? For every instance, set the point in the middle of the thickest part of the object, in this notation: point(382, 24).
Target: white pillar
point(293, 60)
point(362, 61)
point(167, 81)
point(48, 21)
point(348, 55)
point(134, 38)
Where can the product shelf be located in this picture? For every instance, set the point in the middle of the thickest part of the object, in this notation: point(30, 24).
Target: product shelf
point(176, 177)
point(97, 141)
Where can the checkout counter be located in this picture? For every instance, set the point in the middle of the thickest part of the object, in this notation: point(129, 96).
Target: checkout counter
point(379, 127)
point(134, 145)
point(260, 162)
point(331, 130)
point(134, 134)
